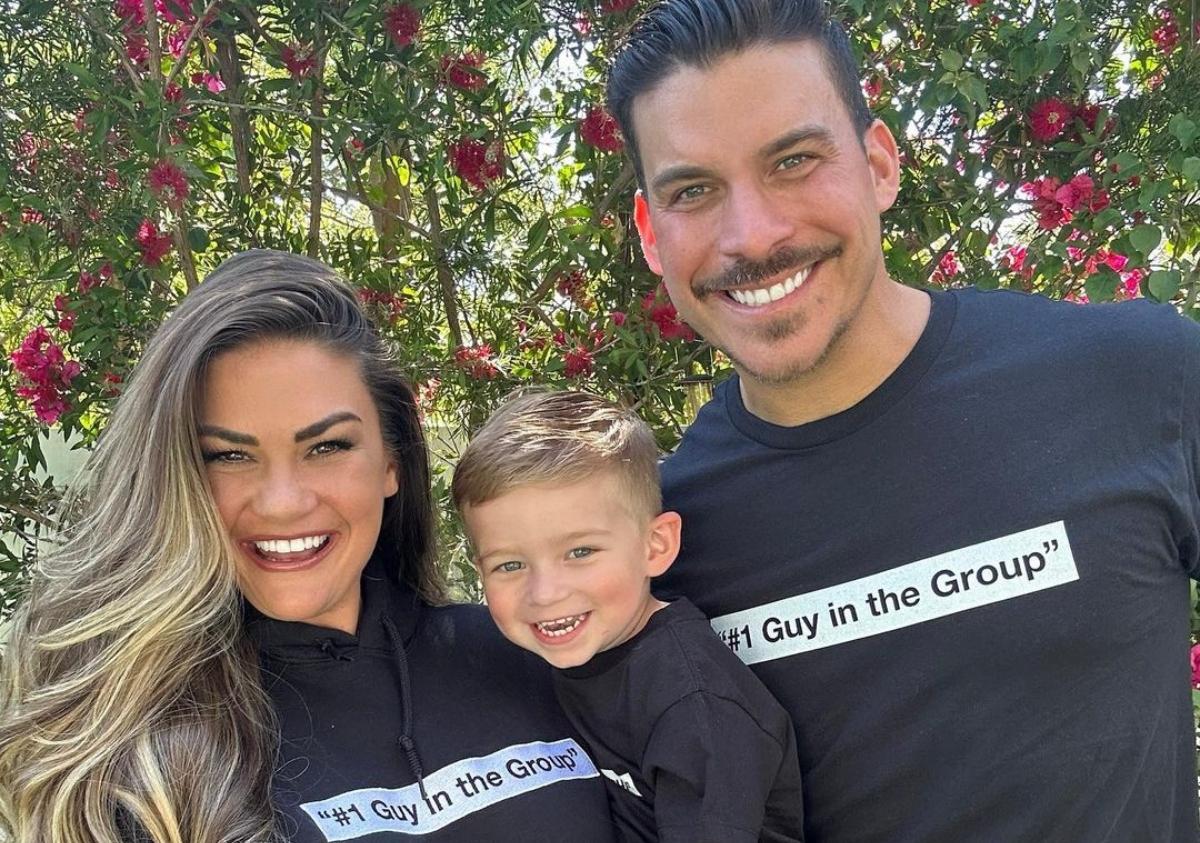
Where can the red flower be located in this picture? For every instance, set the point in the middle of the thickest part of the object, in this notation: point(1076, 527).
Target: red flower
point(658, 310)
point(136, 48)
point(618, 318)
point(572, 285)
point(174, 11)
point(173, 93)
point(87, 282)
point(1048, 118)
point(403, 24)
point(1166, 36)
point(872, 86)
point(176, 38)
point(1196, 666)
point(599, 129)
point(577, 362)
point(476, 162)
point(476, 361)
point(609, 7)
point(354, 146)
point(132, 12)
point(154, 245)
point(168, 183)
point(973, 3)
point(29, 216)
point(44, 370)
point(463, 71)
point(299, 60)
point(391, 304)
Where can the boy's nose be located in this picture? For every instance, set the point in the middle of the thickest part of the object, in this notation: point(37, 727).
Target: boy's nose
point(546, 588)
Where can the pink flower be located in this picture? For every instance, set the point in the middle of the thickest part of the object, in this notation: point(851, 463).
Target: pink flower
point(618, 318)
point(1196, 666)
point(168, 183)
point(154, 245)
point(176, 38)
point(44, 369)
point(872, 86)
point(391, 304)
point(610, 7)
point(577, 362)
point(174, 11)
point(476, 162)
point(403, 24)
point(599, 129)
point(1048, 118)
point(173, 93)
point(973, 3)
point(463, 71)
point(946, 269)
point(87, 282)
point(212, 81)
point(299, 60)
point(1166, 36)
point(132, 12)
point(136, 48)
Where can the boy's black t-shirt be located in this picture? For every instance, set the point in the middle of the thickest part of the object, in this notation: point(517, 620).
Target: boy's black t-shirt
point(692, 747)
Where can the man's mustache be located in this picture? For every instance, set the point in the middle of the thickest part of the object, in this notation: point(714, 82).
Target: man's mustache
point(744, 273)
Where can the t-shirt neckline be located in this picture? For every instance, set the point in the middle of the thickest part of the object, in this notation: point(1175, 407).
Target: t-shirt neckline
point(943, 306)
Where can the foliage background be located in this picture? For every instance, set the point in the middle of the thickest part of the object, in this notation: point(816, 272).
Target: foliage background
point(449, 158)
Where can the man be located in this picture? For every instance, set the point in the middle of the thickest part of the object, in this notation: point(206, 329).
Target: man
point(951, 531)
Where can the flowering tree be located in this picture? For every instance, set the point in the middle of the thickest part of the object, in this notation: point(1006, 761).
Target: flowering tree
point(454, 161)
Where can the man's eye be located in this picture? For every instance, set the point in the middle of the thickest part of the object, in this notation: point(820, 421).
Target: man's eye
point(792, 162)
point(694, 191)
point(224, 456)
point(509, 567)
point(580, 552)
point(331, 446)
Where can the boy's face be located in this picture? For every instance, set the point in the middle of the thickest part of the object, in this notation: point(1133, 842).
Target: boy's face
point(566, 568)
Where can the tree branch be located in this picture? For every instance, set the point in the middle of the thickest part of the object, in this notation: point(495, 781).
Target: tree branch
point(444, 276)
point(316, 196)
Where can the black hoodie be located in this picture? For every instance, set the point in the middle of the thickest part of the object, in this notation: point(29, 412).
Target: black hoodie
point(426, 725)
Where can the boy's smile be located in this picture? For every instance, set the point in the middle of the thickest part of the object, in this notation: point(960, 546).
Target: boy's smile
point(567, 567)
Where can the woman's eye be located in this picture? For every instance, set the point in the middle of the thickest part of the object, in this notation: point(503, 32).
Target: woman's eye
point(580, 552)
point(224, 456)
point(509, 567)
point(331, 446)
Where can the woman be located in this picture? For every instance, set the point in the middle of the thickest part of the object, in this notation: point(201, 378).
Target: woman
point(237, 638)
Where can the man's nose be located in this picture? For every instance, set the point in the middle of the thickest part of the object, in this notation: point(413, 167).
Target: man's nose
point(755, 223)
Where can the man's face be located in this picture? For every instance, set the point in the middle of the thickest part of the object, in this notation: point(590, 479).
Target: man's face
point(761, 208)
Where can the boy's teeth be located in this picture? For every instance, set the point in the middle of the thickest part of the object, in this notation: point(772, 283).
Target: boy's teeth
point(560, 626)
point(757, 298)
point(281, 546)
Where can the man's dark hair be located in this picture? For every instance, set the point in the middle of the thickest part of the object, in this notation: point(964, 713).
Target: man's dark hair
point(696, 33)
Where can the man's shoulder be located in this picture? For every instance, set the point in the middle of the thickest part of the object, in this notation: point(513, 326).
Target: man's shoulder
point(1012, 314)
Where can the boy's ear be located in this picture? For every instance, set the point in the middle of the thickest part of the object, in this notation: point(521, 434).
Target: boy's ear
point(662, 543)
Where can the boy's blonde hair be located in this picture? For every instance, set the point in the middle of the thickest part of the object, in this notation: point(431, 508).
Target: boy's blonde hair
point(559, 437)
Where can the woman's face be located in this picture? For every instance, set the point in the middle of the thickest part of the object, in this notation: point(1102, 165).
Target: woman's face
point(299, 472)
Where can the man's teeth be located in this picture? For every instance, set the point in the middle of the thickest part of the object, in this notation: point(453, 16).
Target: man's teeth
point(757, 298)
point(278, 546)
point(560, 626)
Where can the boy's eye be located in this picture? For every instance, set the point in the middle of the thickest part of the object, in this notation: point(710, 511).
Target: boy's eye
point(509, 567)
point(579, 552)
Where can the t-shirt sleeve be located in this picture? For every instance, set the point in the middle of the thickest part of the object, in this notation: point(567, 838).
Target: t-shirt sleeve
point(1189, 351)
point(712, 767)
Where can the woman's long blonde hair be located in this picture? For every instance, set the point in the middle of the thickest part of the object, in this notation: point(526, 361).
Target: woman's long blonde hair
point(130, 704)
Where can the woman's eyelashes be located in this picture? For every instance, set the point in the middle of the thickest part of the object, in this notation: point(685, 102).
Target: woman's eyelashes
point(323, 448)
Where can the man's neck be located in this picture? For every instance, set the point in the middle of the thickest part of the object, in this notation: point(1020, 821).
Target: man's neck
point(873, 346)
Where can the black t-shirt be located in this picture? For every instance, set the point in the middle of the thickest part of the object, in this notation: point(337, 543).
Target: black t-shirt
point(498, 761)
point(692, 747)
point(970, 590)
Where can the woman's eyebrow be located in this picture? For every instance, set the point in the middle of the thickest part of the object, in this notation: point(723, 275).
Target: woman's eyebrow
point(312, 430)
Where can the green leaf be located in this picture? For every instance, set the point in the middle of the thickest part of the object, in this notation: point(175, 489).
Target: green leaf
point(974, 89)
point(198, 239)
point(1164, 283)
point(1145, 237)
point(952, 60)
point(1024, 61)
point(1191, 168)
point(1184, 130)
point(1102, 286)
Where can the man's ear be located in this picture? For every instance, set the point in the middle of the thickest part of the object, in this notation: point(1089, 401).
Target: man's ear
point(662, 543)
point(641, 218)
point(884, 160)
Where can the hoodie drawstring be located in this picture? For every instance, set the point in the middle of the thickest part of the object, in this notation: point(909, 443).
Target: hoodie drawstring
point(405, 741)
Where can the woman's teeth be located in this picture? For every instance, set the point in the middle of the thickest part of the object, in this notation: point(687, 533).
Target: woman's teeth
point(284, 546)
point(757, 298)
point(560, 626)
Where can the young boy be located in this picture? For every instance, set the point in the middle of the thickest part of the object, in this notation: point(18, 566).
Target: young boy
point(559, 494)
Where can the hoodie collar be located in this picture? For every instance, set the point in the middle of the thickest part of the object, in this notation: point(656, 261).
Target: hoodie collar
point(381, 599)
